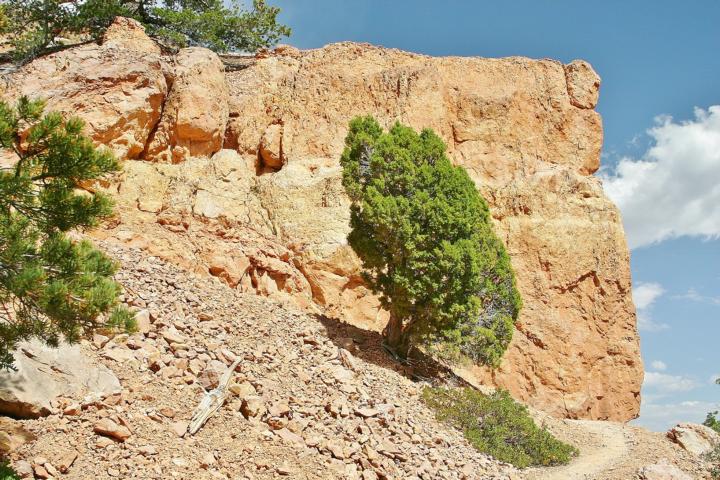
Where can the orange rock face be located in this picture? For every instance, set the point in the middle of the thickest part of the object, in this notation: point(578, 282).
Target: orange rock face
point(196, 111)
point(119, 92)
point(244, 184)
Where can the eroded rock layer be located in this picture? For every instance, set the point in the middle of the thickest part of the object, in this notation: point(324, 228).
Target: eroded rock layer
point(236, 175)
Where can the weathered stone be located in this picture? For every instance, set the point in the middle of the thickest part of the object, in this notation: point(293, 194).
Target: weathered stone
point(128, 34)
point(142, 319)
point(289, 436)
point(72, 409)
point(695, 438)
point(207, 460)
point(147, 450)
point(366, 412)
point(279, 409)
point(24, 469)
point(13, 435)
point(41, 472)
point(171, 336)
point(179, 428)
point(66, 460)
point(209, 378)
point(253, 406)
point(271, 148)
point(662, 471)
point(243, 390)
point(583, 84)
point(112, 429)
point(45, 373)
point(196, 111)
point(118, 88)
point(118, 354)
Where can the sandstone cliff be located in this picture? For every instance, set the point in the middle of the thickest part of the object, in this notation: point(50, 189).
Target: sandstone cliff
point(236, 175)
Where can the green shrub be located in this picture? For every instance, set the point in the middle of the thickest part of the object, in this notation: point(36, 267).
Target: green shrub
point(36, 26)
point(712, 421)
point(499, 426)
point(427, 245)
point(714, 458)
point(7, 472)
point(52, 287)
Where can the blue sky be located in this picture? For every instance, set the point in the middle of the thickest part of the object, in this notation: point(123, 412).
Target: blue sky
point(658, 59)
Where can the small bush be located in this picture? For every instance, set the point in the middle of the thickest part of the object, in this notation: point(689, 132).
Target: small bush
point(6, 471)
point(712, 421)
point(714, 458)
point(497, 425)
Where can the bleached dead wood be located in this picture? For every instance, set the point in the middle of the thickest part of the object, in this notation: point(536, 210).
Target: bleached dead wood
point(212, 401)
point(348, 360)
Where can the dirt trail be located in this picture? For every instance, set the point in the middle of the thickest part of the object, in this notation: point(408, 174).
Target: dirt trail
point(611, 451)
point(604, 446)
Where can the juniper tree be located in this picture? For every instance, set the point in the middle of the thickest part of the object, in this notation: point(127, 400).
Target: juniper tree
point(51, 287)
point(427, 246)
point(36, 26)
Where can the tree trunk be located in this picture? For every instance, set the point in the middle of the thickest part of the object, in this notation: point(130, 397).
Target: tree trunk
point(396, 338)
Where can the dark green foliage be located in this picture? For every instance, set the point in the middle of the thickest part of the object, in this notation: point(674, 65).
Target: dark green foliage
point(712, 421)
point(713, 458)
point(425, 238)
point(50, 286)
point(35, 25)
point(7, 472)
point(3, 19)
point(497, 425)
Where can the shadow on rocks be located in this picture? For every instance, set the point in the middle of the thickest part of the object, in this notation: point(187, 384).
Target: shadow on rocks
point(367, 345)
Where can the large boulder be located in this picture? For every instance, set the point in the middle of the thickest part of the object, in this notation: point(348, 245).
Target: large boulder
point(662, 471)
point(126, 33)
point(43, 374)
point(118, 88)
point(583, 84)
point(695, 438)
point(196, 112)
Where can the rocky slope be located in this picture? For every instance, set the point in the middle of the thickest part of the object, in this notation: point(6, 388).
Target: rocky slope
point(311, 399)
point(236, 175)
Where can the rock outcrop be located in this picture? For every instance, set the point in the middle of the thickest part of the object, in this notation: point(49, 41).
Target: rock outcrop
point(695, 438)
point(46, 375)
point(118, 88)
point(249, 191)
point(196, 111)
point(662, 471)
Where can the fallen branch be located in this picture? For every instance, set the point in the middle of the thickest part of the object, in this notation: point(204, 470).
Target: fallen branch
point(212, 401)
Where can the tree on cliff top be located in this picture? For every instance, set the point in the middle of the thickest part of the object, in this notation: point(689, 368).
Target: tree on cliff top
point(425, 238)
point(35, 26)
point(50, 286)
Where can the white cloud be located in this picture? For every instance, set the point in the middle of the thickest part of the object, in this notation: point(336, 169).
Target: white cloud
point(644, 295)
point(658, 365)
point(694, 296)
point(674, 189)
point(664, 383)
